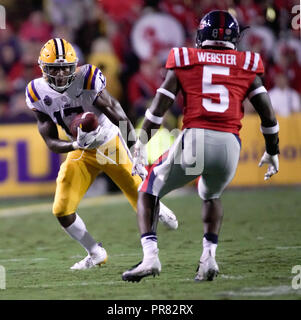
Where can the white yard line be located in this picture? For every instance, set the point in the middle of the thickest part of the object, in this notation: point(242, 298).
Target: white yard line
point(47, 207)
point(226, 276)
point(73, 284)
point(261, 292)
point(23, 259)
point(85, 203)
point(288, 248)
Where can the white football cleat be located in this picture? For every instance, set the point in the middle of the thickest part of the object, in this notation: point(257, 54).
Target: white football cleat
point(98, 258)
point(167, 217)
point(148, 267)
point(207, 269)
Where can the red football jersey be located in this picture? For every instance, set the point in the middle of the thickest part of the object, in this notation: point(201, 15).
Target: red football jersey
point(214, 84)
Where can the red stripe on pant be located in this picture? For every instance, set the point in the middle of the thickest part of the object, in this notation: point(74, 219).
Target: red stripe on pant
point(150, 171)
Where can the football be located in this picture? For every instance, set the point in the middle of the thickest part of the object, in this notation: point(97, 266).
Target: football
point(87, 121)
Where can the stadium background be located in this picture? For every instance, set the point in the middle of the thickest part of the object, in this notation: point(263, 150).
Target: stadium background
point(129, 41)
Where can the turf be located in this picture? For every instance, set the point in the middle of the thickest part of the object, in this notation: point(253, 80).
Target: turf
point(259, 244)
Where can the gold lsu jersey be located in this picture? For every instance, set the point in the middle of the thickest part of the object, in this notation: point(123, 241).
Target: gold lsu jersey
point(62, 107)
point(81, 167)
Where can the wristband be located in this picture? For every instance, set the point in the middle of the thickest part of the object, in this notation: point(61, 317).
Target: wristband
point(272, 148)
point(152, 118)
point(75, 145)
point(270, 130)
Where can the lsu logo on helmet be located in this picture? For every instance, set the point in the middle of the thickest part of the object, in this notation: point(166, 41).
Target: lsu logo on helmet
point(58, 62)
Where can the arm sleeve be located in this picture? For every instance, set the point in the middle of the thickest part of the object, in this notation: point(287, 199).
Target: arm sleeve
point(31, 104)
point(100, 81)
point(93, 79)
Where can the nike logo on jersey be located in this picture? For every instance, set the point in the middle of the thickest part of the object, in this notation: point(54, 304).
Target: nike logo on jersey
point(86, 144)
point(79, 94)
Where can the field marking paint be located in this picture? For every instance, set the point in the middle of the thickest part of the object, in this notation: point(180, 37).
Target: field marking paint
point(2, 278)
point(78, 256)
point(226, 276)
point(73, 284)
point(85, 203)
point(261, 291)
point(288, 248)
point(47, 207)
point(23, 259)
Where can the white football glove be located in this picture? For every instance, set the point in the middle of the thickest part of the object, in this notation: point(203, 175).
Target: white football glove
point(273, 163)
point(140, 160)
point(91, 140)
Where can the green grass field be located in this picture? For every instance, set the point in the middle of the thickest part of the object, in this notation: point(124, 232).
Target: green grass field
point(260, 242)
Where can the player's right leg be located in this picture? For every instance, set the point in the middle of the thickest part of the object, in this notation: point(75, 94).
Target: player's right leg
point(119, 168)
point(75, 176)
point(147, 216)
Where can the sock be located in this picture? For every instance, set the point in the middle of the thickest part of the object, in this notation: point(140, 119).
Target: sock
point(210, 241)
point(149, 244)
point(78, 231)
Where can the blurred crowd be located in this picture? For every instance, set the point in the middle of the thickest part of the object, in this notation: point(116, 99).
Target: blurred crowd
point(129, 41)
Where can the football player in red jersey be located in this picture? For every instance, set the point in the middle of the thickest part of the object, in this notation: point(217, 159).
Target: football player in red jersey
point(214, 78)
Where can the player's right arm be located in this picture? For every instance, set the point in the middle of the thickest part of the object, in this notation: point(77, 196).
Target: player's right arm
point(163, 100)
point(48, 131)
point(269, 125)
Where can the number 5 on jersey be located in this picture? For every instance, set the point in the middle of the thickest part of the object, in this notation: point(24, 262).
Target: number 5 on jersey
point(210, 88)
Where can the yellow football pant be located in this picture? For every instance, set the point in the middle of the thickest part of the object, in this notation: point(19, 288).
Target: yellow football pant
point(80, 169)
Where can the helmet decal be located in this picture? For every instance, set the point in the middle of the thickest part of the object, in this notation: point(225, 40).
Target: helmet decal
point(218, 28)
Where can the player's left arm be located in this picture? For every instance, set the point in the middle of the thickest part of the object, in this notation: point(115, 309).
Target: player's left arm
point(269, 125)
point(113, 110)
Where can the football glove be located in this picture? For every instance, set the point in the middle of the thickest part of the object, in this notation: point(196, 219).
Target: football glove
point(273, 163)
point(91, 140)
point(139, 160)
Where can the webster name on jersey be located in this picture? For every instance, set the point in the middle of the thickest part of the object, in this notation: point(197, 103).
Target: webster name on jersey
point(229, 59)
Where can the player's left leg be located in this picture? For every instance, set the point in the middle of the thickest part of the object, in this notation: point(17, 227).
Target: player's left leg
point(75, 176)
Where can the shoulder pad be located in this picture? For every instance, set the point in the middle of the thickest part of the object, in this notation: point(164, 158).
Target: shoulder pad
point(32, 92)
point(90, 73)
point(252, 62)
point(180, 57)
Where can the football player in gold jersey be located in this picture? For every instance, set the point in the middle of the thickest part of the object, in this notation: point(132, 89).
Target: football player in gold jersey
point(56, 98)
